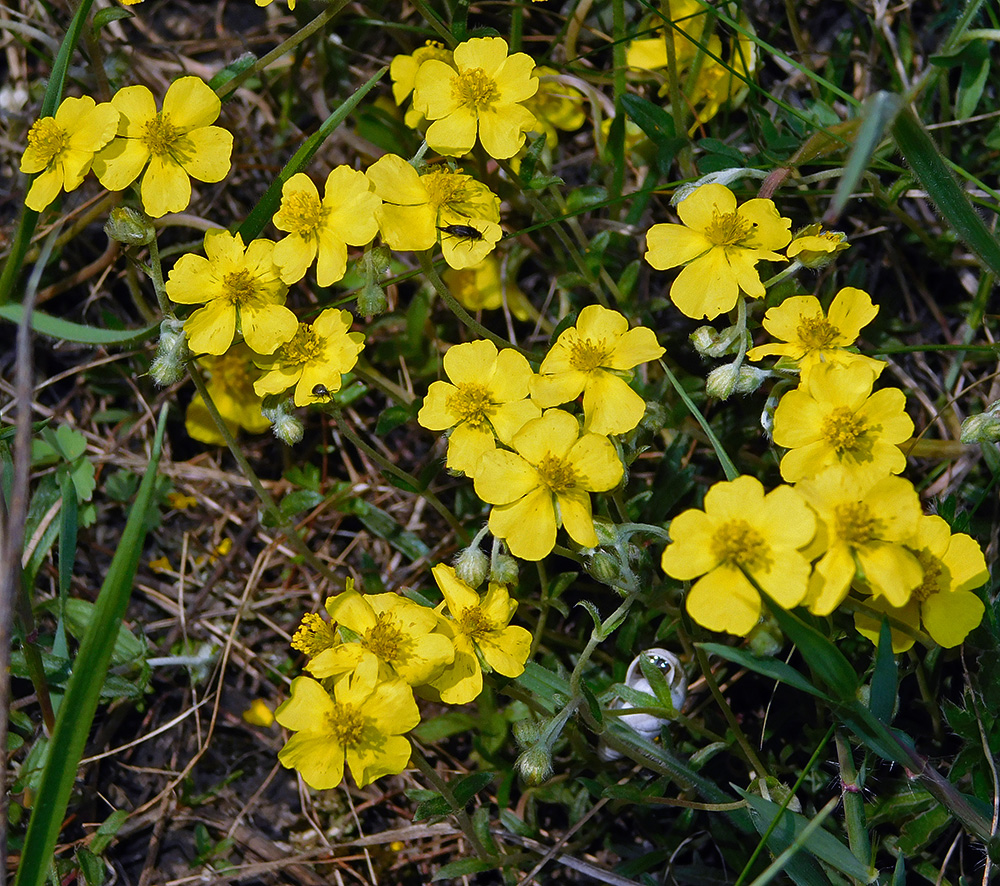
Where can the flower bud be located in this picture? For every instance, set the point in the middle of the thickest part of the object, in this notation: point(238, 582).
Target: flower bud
point(765, 639)
point(813, 247)
point(503, 570)
point(709, 342)
point(286, 427)
point(749, 379)
point(535, 765)
point(472, 566)
point(607, 532)
point(129, 226)
point(604, 567)
point(982, 428)
point(172, 353)
point(721, 382)
point(372, 300)
point(526, 732)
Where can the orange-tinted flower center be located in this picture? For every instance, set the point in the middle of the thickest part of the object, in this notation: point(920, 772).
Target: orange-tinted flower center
point(737, 543)
point(347, 723)
point(728, 228)
point(302, 212)
point(558, 474)
point(474, 89)
point(855, 523)
point(47, 137)
point(159, 135)
point(587, 354)
point(385, 638)
point(816, 333)
point(473, 402)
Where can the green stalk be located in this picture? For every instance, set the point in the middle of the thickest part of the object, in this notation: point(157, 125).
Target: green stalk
point(854, 803)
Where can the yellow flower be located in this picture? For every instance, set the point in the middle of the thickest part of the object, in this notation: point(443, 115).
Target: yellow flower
point(291, 3)
point(953, 565)
point(546, 482)
point(403, 73)
point(61, 148)
point(395, 635)
point(481, 92)
point(360, 725)
point(419, 210)
point(241, 293)
point(483, 287)
point(815, 248)
point(178, 144)
point(811, 337)
point(591, 358)
point(863, 527)
point(832, 418)
point(719, 245)
point(743, 539)
point(258, 714)
point(230, 385)
point(320, 230)
point(314, 359)
point(487, 398)
point(555, 106)
point(315, 635)
point(480, 626)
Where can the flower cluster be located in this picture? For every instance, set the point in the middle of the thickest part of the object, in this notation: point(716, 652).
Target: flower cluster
point(367, 662)
point(535, 463)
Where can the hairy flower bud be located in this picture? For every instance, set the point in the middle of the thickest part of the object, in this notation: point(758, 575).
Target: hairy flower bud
point(982, 428)
point(535, 765)
point(129, 226)
point(503, 570)
point(286, 427)
point(709, 342)
point(472, 566)
point(172, 353)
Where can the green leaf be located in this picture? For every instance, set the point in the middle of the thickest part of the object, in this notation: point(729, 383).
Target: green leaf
point(882, 701)
point(768, 667)
point(232, 70)
point(465, 788)
point(937, 180)
point(822, 844)
point(261, 214)
point(973, 79)
point(384, 526)
point(65, 330)
point(825, 660)
point(104, 17)
point(444, 726)
point(91, 866)
point(462, 868)
point(80, 615)
point(76, 713)
point(300, 500)
point(433, 808)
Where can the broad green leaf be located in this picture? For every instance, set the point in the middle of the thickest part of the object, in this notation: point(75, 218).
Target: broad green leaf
point(462, 868)
point(769, 667)
point(882, 701)
point(465, 788)
point(937, 180)
point(826, 661)
point(65, 330)
point(104, 17)
point(76, 713)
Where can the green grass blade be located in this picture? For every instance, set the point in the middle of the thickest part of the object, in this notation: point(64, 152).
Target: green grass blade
point(936, 179)
point(65, 330)
point(80, 702)
point(261, 214)
point(825, 660)
point(53, 95)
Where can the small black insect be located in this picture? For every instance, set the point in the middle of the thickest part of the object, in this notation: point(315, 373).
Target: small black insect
point(462, 232)
point(322, 391)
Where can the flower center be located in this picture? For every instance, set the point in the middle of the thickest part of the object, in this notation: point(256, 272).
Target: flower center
point(816, 333)
point(728, 228)
point(346, 722)
point(159, 134)
point(473, 622)
point(935, 581)
point(302, 212)
point(305, 346)
point(47, 137)
point(847, 432)
point(475, 89)
point(557, 474)
point(442, 186)
point(586, 354)
point(385, 638)
point(737, 543)
point(855, 523)
point(240, 286)
point(473, 402)
point(314, 635)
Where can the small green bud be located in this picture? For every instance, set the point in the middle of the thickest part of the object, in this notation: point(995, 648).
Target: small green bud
point(503, 570)
point(472, 566)
point(709, 342)
point(604, 567)
point(372, 300)
point(750, 378)
point(286, 427)
point(172, 353)
point(982, 428)
point(129, 226)
point(535, 765)
point(526, 732)
point(731, 379)
point(765, 640)
point(607, 532)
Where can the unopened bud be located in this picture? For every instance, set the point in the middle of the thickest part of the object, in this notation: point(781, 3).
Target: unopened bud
point(526, 732)
point(286, 427)
point(129, 226)
point(503, 570)
point(982, 428)
point(607, 532)
point(765, 639)
point(472, 566)
point(172, 353)
point(535, 765)
point(604, 567)
point(813, 247)
point(709, 342)
point(372, 300)
point(749, 379)
point(721, 382)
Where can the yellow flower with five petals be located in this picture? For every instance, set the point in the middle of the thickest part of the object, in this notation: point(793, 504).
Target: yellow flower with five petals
point(230, 378)
point(177, 144)
point(481, 94)
point(546, 482)
point(61, 148)
point(719, 245)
